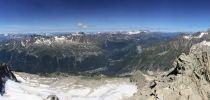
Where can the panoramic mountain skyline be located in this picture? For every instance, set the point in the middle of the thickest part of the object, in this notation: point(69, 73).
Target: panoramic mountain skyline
point(103, 15)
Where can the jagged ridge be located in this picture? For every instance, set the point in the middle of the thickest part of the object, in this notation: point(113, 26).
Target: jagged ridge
point(188, 80)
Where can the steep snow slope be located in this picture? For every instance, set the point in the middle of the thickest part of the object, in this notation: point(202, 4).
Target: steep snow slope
point(32, 89)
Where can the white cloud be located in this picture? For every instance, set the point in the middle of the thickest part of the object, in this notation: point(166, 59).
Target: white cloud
point(82, 25)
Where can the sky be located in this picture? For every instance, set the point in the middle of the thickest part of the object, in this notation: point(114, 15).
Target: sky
point(103, 15)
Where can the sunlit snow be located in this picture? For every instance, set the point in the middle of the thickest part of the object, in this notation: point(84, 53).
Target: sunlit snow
point(29, 90)
point(199, 36)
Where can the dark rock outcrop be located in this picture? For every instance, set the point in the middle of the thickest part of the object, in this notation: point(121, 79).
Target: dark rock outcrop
point(52, 97)
point(5, 74)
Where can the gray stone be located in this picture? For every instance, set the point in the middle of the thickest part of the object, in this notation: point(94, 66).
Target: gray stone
point(189, 79)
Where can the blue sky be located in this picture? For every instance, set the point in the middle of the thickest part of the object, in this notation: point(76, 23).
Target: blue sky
point(103, 15)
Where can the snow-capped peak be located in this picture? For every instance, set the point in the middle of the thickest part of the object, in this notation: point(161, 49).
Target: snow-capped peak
point(199, 36)
point(137, 32)
point(134, 32)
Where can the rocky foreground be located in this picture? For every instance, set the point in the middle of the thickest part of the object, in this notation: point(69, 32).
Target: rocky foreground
point(188, 80)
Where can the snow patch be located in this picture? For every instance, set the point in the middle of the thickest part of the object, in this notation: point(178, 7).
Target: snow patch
point(23, 44)
point(205, 43)
point(201, 34)
point(60, 39)
point(189, 37)
point(43, 41)
point(134, 32)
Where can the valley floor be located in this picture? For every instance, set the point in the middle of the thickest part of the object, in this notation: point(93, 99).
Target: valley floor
point(34, 87)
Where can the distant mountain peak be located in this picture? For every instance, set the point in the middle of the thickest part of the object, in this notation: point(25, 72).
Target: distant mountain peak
point(137, 32)
point(196, 35)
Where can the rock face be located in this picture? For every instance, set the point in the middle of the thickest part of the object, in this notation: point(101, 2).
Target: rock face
point(188, 80)
point(5, 74)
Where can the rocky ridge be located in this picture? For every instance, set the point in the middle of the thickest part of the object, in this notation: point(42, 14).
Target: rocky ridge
point(188, 79)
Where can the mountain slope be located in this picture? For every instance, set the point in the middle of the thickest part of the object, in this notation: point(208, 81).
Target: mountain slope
point(85, 53)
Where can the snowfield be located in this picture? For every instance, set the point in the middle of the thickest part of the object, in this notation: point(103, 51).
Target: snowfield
point(30, 89)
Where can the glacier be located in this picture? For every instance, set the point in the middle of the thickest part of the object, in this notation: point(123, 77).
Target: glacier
point(31, 89)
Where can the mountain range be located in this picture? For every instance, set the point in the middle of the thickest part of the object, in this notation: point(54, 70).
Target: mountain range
point(109, 53)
